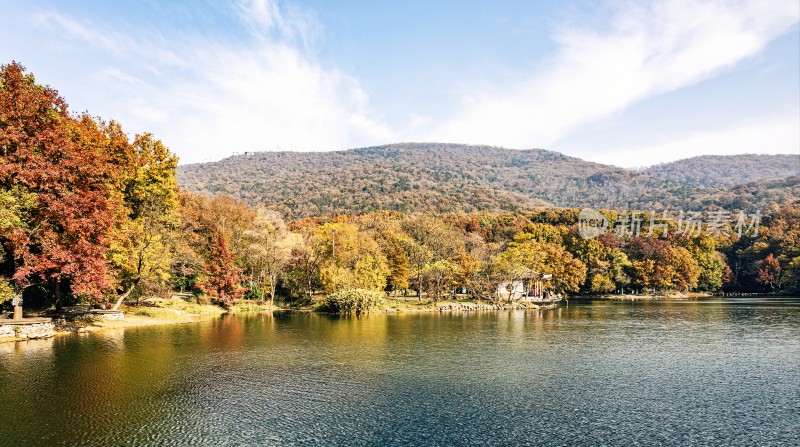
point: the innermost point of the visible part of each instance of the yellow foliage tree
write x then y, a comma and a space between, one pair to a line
145, 233
350, 259
568, 272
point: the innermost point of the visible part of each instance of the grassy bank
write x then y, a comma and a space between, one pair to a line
156, 312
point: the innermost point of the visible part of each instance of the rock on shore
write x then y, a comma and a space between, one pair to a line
26, 331
491, 306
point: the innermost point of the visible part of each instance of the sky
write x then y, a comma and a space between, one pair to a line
624, 83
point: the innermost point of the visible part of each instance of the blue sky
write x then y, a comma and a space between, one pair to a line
625, 83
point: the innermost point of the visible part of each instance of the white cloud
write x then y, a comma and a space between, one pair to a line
111, 40
75, 29
114, 73
221, 96
265, 96
771, 135
648, 50
209, 93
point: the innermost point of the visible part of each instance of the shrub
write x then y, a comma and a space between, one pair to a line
354, 301
6, 292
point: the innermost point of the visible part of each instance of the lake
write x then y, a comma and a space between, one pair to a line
710, 372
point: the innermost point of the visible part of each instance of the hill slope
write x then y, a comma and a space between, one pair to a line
727, 170
438, 177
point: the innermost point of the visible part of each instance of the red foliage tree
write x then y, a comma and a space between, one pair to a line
44, 150
224, 279
769, 272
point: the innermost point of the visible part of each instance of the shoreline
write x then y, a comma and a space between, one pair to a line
174, 317
135, 321
645, 297
130, 321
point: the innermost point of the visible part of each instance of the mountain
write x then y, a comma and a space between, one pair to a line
727, 170
419, 177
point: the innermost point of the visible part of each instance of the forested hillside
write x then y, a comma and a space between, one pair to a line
460, 178
91, 215
728, 170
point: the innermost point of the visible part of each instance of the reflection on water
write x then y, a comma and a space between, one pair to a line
648, 373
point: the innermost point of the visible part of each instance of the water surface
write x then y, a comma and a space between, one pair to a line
647, 373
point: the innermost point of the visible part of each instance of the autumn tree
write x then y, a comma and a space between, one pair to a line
47, 153
686, 270
568, 272
304, 264
710, 262
432, 242
439, 276
215, 228
350, 259
398, 263
476, 268
224, 278
607, 265
650, 260
269, 252
419, 255
146, 228
600, 283
770, 271
385, 228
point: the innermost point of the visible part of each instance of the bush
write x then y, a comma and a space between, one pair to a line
354, 301
6, 292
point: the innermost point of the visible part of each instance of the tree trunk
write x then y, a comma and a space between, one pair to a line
419, 285
57, 292
272, 292
124, 295
17, 307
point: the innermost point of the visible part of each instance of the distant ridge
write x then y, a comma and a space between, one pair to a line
420, 177
727, 170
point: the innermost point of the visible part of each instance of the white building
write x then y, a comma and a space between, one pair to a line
531, 286
511, 290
